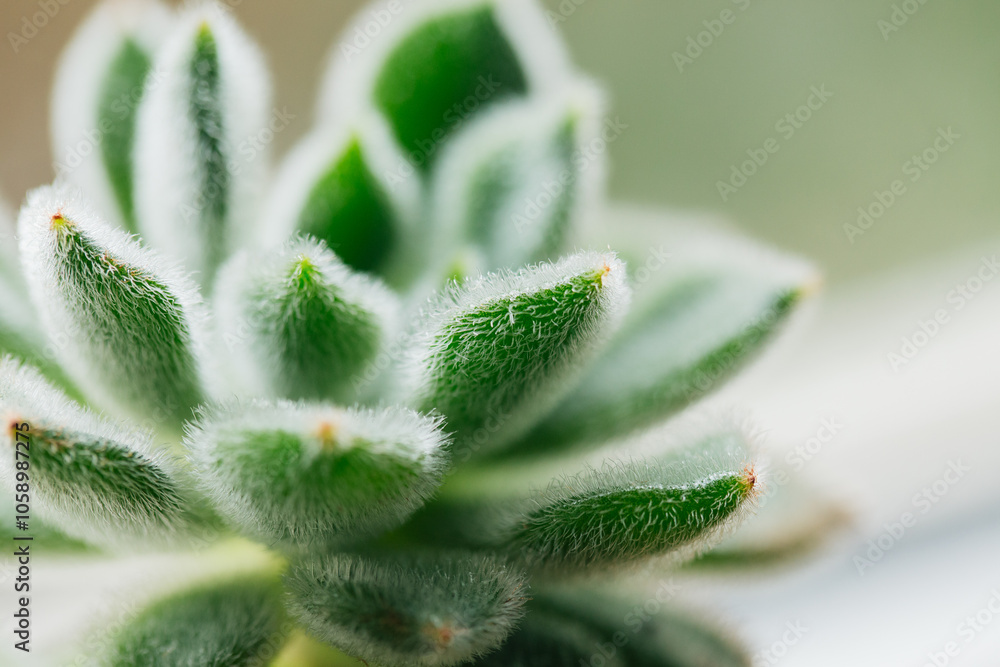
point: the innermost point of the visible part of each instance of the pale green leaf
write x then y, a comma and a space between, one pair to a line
219, 624
100, 81
513, 184
406, 611
93, 479
308, 473
200, 168
702, 311
296, 323
125, 325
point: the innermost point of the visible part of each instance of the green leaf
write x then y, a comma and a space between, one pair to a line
91, 478
647, 632
199, 168
673, 506
221, 624
20, 334
125, 325
694, 323
444, 61
407, 611
297, 323
549, 640
628, 512
100, 82
337, 186
125, 76
316, 473
494, 354
513, 183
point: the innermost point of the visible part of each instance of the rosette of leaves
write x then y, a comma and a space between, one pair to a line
395, 359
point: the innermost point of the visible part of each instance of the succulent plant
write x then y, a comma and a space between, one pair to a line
409, 361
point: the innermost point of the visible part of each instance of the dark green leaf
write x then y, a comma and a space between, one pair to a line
407, 611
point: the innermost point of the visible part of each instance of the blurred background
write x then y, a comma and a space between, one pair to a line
856, 96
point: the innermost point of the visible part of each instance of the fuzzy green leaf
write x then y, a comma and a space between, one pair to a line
125, 76
238, 622
451, 57
101, 79
550, 640
314, 473
198, 180
348, 209
89, 477
687, 333
673, 505
297, 323
512, 184
407, 611
124, 324
638, 635
20, 334
337, 186
493, 354
627, 512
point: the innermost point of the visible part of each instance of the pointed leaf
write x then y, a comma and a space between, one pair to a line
89, 477
434, 66
297, 323
513, 183
700, 314
673, 505
337, 186
412, 611
197, 180
315, 473
630, 511
124, 325
493, 354
99, 83
238, 622
20, 333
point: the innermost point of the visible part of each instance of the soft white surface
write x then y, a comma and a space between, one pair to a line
899, 432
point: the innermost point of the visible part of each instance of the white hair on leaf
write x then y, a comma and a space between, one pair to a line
103, 343
190, 214
76, 127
